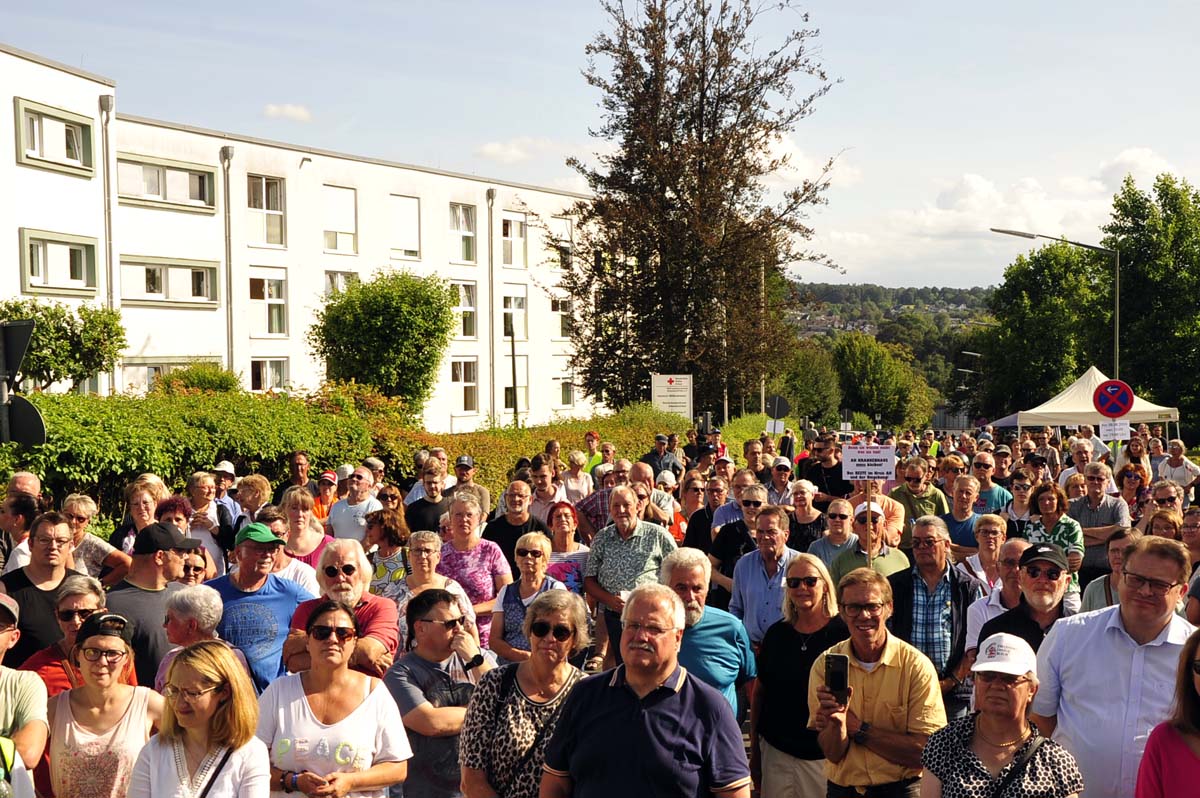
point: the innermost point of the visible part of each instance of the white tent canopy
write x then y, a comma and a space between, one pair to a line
1074, 406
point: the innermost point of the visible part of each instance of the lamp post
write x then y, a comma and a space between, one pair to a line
1116, 375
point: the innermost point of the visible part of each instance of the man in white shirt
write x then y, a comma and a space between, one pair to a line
998, 601
1108, 677
347, 518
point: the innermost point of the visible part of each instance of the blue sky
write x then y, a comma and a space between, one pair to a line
950, 117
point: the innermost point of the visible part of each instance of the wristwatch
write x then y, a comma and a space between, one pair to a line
860, 736
474, 662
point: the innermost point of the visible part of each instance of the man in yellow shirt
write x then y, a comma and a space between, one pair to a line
873, 742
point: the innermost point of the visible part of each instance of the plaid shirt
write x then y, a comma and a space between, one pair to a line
932, 618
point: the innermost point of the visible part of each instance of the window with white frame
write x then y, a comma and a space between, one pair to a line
561, 309
514, 311
464, 376
166, 183
155, 284
204, 283
265, 209
341, 222
337, 282
561, 231
268, 291
57, 262
177, 281
268, 374
520, 393
466, 308
405, 215
563, 382
513, 249
53, 138
462, 233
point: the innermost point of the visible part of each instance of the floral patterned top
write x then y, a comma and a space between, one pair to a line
476, 570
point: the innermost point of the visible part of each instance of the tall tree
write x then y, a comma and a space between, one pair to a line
875, 378
681, 251
811, 383
70, 344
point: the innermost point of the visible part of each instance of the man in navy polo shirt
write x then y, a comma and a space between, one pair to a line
649, 727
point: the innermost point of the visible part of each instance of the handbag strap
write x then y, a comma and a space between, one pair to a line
216, 772
1016, 770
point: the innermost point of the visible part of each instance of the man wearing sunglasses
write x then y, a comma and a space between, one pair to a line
824, 469
1043, 576
1107, 677
992, 497
872, 540
1002, 598
917, 496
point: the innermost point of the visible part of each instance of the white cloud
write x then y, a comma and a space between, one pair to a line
801, 165
296, 113
515, 150
1141, 162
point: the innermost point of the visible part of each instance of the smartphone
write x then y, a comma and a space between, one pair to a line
837, 676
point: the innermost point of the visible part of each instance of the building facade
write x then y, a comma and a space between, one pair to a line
221, 247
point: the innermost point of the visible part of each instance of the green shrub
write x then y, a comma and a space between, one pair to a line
202, 375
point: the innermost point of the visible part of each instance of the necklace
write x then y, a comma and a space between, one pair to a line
1020, 739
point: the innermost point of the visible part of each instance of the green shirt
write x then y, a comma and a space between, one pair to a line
886, 563
22, 700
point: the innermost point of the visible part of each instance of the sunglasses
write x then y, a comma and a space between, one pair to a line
839, 516
450, 625
862, 519
914, 480
323, 631
562, 632
388, 497
348, 569
1019, 486
1164, 502
925, 543
535, 554
808, 581
66, 616
79, 519
751, 503
173, 693
193, 569
1052, 573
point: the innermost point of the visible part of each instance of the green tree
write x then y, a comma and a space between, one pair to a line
70, 344
389, 332
811, 382
875, 379
679, 244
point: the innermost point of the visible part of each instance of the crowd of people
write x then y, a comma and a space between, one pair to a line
1003, 617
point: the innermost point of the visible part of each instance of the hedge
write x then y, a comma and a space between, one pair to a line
97, 445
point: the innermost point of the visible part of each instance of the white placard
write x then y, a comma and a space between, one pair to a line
868, 461
845, 426
1115, 430
672, 393
775, 426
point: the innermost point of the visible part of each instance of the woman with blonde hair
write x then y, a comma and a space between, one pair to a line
306, 536
141, 498
576, 482
92, 555
253, 493
507, 638
206, 743
785, 758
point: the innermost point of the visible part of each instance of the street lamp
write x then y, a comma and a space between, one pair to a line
1116, 375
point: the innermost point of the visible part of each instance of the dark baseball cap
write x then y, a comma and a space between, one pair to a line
465, 460
660, 438
106, 624
1044, 551
707, 448
162, 537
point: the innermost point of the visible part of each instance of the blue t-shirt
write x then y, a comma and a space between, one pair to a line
717, 651
962, 533
992, 500
258, 622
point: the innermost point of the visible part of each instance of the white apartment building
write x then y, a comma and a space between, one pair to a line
220, 247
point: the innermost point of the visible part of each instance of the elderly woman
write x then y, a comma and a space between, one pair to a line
424, 554
344, 573
306, 536
192, 616
386, 537
1170, 766
206, 743
253, 493
967, 757
359, 742
141, 497
476, 564
514, 709
576, 482
1053, 525
990, 533
92, 555
210, 522
507, 637
98, 729
734, 540
1101, 592
806, 524
785, 759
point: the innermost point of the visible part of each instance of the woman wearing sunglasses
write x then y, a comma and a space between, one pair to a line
356, 742
785, 759
734, 540
93, 555
805, 523
1133, 483
508, 638
996, 751
98, 729
1170, 764
514, 709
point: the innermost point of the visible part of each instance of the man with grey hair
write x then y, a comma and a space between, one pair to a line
930, 602
25, 482
1100, 514
1081, 455
347, 517
622, 713
377, 471
715, 645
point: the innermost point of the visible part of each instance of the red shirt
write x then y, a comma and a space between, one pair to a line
377, 617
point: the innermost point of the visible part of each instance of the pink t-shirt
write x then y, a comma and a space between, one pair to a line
313, 556
1169, 768
376, 618
476, 570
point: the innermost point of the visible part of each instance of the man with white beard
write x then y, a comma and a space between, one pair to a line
344, 572
715, 646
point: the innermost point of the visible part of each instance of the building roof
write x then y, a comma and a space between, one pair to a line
37, 59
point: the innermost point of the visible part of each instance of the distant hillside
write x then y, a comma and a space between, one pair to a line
825, 307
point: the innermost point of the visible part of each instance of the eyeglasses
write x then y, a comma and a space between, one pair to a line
1021, 486
751, 503
808, 581
1157, 586
424, 552
925, 543
52, 542
348, 569
323, 631
839, 516
109, 655
173, 693
1003, 679
1035, 571
66, 616
533, 554
650, 629
1165, 502
448, 625
989, 533
871, 608
562, 632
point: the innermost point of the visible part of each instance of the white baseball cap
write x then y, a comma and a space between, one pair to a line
864, 507
226, 467
1005, 653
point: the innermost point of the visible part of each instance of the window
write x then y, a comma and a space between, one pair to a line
341, 224
154, 280
564, 386
268, 374
561, 241
512, 237
406, 226
462, 233
51, 138
466, 309
514, 312
521, 391
268, 289
157, 281
265, 204
57, 263
464, 375
337, 282
204, 282
155, 182
562, 309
